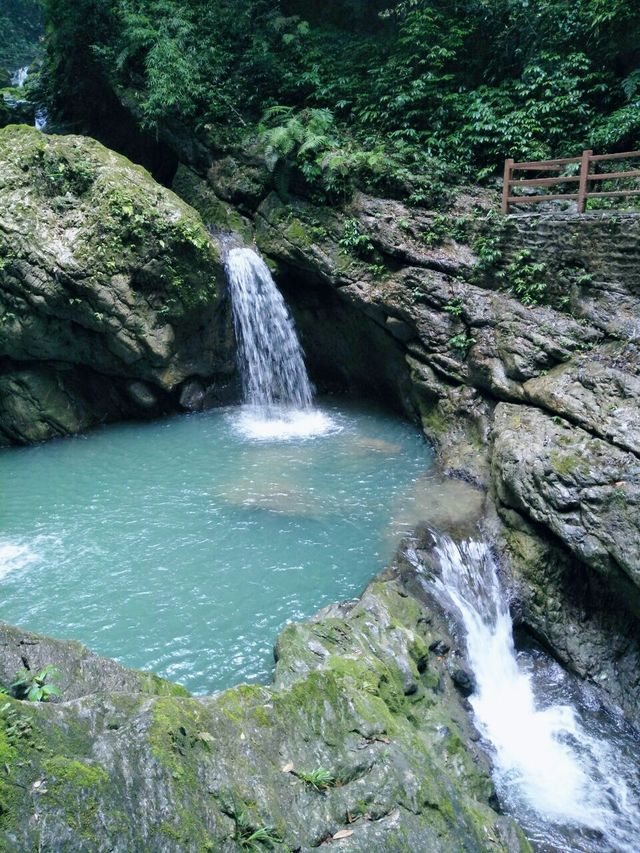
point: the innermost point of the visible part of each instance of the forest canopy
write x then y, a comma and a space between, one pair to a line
465, 81
20, 31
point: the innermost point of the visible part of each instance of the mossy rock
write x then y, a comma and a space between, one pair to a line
105, 271
122, 771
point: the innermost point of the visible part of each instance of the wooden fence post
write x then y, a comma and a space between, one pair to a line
506, 184
584, 180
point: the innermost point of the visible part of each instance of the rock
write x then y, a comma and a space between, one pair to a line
80, 671
216, 212
241, 181
588, 620
586, 491
124, 764
192, 395
599, 391
105, 271
143, 396
43, 401
591, 263
464, 680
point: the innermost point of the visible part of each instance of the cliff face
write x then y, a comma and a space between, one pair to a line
514, 343
111, 293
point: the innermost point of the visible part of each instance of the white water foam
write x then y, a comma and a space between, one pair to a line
545, 760
19, 77
14, 556
284, 424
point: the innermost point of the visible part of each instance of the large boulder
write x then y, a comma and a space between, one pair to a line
111, 291
363, 690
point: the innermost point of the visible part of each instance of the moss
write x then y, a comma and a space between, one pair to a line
74, 774
76, 790
403, 609
298, 233
175, 742
567, 464
419, 652
240, 701
434, 423
173, 731
12, 797
152, 683
358, 672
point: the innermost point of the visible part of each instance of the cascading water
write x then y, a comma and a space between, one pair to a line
275, 383
271, 359
18, 80
566, 769
19, 77
41, 119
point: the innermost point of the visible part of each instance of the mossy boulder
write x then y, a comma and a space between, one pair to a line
107, 273
357, 692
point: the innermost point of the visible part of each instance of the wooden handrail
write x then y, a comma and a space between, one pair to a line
543, 182
622, 156
612, 176
544, 164
583, 179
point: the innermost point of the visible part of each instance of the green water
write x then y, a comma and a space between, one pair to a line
184, 545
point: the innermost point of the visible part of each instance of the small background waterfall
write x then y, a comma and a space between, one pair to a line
18, 80
566, 768
275, 383
19, 77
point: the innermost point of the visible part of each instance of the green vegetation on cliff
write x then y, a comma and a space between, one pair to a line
20, 31
378, 86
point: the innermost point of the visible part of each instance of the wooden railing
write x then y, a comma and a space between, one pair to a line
582, 179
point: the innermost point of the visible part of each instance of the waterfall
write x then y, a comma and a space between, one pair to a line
562, 766
277, 391
271, 359
19, 77
41, 119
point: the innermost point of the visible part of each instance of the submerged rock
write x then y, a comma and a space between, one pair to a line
116, 766
111, 292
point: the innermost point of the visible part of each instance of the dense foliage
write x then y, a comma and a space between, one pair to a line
362, 84
20, 31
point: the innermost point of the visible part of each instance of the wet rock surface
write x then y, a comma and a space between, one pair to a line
583, 489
